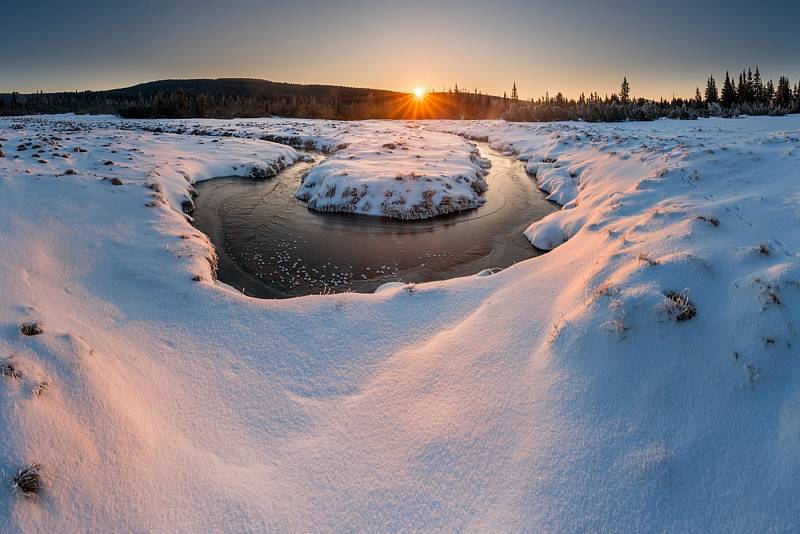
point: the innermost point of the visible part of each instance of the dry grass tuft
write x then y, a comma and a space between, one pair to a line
679, 306
646, 258
8, 369
28, 480
31, 329
713, 221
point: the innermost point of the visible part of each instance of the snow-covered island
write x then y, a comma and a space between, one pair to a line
642, 375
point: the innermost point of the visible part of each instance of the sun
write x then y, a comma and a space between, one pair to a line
419, 92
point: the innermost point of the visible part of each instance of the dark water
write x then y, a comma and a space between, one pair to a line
271, 246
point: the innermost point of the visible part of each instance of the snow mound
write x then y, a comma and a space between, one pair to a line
398, 171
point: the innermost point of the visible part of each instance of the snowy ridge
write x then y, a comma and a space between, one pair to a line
640, 376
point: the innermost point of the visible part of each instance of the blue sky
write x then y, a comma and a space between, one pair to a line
568, 45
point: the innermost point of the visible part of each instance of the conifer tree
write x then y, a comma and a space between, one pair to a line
712, 95
758, 87
728, 96
698, 98
783, 94
514, 93
625, 91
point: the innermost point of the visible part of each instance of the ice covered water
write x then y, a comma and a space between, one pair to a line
271, 245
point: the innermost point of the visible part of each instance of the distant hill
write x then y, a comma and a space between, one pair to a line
248, 97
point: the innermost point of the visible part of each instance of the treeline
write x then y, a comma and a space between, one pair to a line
746, 94
228, 98
749, 95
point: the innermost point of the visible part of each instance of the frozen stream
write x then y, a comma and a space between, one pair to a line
272, 246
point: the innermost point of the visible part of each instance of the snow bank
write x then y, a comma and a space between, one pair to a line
563, 392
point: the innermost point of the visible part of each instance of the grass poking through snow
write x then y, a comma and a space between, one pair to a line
679, 306
28, 481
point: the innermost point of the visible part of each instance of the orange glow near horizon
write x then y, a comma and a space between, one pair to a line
421, 105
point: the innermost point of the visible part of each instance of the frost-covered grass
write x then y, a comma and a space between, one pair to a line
571, 392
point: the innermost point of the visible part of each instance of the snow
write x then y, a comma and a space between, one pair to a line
383, 168
398, 170
560, 394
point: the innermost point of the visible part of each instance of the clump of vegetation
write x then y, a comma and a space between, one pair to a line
31, 329
713, 221
646, 258
28, 480
556, 329
8, 369
41, 387
770, 293
763, 249
679, 306
618, 324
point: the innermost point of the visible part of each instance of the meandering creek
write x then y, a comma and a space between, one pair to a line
270, 245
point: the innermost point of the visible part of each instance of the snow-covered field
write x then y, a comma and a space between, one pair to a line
641, 376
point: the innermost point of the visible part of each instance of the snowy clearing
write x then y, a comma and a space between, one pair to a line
640, 376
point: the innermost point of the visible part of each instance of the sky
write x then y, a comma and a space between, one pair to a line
573, 46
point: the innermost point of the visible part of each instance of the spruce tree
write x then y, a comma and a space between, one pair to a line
728, 96
783, 94
712, 95
624, 91
758, 87
514, 93
698, 98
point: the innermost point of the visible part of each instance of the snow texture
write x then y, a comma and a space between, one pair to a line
561, 394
